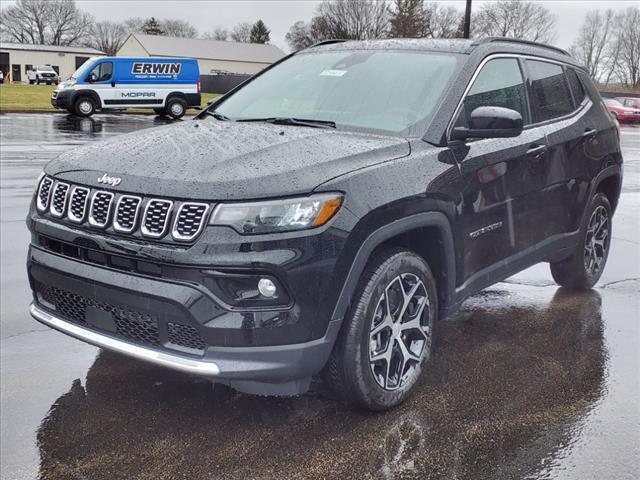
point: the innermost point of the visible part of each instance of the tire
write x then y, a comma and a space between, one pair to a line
582, 270
38, 81
84, 107
160, 111
350, 371
176, 107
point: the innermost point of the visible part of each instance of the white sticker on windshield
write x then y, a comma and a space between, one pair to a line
332, 73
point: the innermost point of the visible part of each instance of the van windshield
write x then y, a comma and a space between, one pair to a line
82, 70
380, 91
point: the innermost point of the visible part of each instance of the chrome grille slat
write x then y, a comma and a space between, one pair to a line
59, 199
189, 221
78, 204
126, 216
156, 218
100, 210
44, 193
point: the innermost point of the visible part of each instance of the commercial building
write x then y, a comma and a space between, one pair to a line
213, 56
17, 58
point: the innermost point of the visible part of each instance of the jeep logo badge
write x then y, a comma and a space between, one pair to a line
107, 180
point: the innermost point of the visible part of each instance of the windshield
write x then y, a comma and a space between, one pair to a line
613, 103
46, 68
387, 91
83, 69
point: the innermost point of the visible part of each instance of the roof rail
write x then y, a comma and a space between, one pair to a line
524, 42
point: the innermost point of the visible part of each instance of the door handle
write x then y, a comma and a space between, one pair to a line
590, 133
537, 151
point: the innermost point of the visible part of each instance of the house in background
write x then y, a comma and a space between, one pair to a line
213, 56
17, 58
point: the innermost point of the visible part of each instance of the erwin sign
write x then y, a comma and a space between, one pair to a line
142, 68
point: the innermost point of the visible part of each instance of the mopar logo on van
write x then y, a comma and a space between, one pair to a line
142, 68
138, 94
107, 180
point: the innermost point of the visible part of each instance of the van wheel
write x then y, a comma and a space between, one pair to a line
85, 107
176, 107
388, 336
160, 111
582, 270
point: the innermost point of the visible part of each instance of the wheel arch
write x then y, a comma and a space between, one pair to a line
610, 184
179, 95
437, 250
87, 93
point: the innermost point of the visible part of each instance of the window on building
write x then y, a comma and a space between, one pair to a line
27, 68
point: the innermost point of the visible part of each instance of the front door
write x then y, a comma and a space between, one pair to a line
100, 78
15, 73
495, 217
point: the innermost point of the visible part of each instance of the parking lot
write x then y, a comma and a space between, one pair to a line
529, 380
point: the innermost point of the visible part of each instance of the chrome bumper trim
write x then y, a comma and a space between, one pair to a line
175, 362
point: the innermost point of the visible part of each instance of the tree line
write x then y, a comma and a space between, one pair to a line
61, 22
608, 44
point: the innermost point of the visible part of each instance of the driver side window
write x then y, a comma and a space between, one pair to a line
499, 84
102, 72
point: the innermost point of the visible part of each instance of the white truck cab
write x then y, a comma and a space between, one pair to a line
167, 85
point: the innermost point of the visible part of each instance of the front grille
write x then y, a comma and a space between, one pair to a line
189, 220
44, 193
184, 335
126, 213
131, 324
100, 209
156, 218
59, 199
152, 218
78, 204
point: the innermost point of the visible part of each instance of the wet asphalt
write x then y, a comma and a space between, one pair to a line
529, 380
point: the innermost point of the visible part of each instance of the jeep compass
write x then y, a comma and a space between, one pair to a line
324, 216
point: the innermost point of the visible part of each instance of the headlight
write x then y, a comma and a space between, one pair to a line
278, 215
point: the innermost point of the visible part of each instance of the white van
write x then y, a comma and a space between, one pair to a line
167, 85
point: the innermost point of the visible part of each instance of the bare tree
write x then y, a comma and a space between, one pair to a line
134, 25
241, 33
178, 28
353, 19
218, 33
68, 25
299, 36
628, 43
26, 22
515, 18
442, 22
107, 36
408, 19
594, 41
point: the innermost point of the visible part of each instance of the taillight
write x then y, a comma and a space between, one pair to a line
198, 85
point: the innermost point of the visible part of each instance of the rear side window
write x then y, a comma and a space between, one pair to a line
576, 86
550, 94
499, 84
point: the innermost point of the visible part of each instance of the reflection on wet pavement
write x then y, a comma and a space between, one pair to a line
511, 381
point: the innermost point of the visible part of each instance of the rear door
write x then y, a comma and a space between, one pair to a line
496, 217
561, 174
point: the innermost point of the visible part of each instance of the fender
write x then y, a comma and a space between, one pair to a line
89, 93
386, 232
610, 171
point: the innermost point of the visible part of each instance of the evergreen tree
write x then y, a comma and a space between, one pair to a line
260, 33
152, 27
408, 19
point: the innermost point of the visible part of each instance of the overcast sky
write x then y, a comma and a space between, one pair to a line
280, 15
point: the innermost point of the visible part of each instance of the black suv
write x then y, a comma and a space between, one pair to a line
325, 215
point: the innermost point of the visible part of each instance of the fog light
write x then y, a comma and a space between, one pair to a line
267, 288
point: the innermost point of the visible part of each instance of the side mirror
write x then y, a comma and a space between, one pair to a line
490, 122
92, 77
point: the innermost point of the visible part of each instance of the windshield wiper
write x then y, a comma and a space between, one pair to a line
217, 115
301, 122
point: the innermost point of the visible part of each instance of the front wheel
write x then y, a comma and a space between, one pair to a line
582, 270
85, 107
176, 107
388, 335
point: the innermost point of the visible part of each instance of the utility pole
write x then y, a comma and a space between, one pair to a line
467, 20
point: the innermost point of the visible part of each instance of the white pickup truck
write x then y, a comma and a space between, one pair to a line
43, 74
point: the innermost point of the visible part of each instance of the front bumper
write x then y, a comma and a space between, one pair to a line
62, 98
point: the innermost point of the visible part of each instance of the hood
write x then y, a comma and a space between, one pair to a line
215, 160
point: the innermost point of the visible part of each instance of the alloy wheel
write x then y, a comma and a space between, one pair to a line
85, 107
401, 332
596, 241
